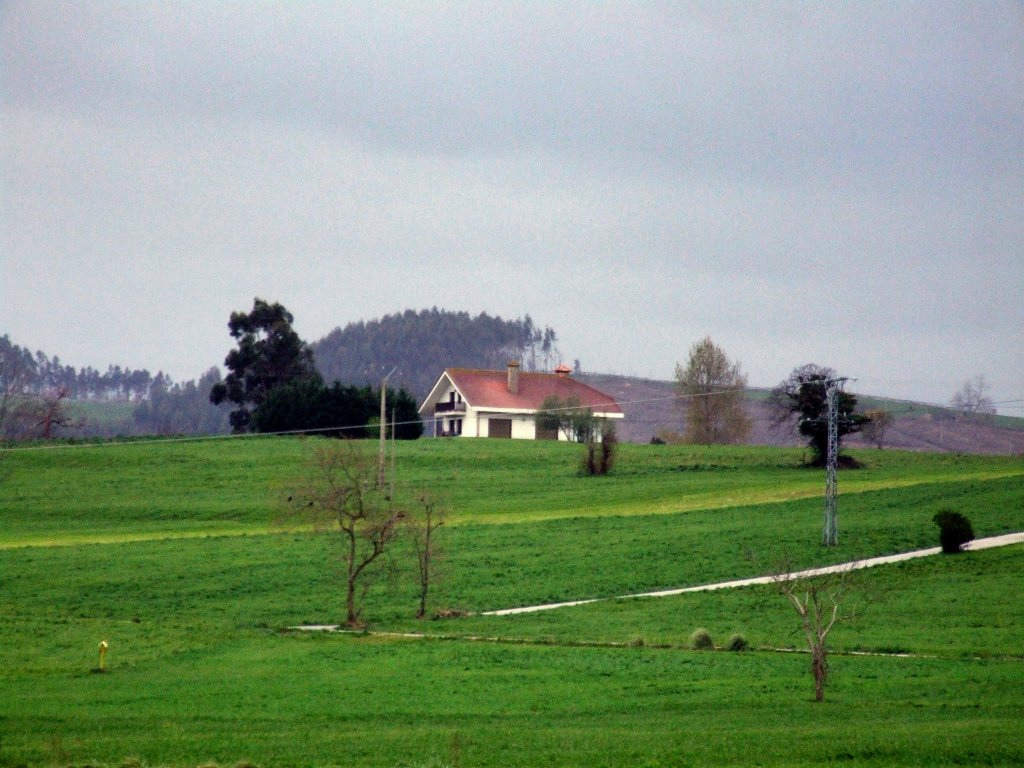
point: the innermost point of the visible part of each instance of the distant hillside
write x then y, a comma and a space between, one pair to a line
650, 405
422, 344
88, 403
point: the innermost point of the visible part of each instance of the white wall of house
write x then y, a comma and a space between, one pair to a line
523, 428
469, 421
475, 423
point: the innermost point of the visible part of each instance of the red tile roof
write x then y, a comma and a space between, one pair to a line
489, 389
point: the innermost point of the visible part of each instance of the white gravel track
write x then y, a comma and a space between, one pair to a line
987, 543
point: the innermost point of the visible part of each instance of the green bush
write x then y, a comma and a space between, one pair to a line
598, 458
737, 643
954, 530
701, 640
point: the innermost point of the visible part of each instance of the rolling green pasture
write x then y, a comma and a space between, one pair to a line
77, 492
170, 552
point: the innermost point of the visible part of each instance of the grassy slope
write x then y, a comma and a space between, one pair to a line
234, 485
376, 702
200, 670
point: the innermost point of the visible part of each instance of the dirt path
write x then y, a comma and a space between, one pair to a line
987, 543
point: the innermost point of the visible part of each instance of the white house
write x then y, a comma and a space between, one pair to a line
473, 403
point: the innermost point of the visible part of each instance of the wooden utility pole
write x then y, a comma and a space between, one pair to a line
383, 427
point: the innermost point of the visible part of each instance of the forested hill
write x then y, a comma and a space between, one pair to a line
422, 344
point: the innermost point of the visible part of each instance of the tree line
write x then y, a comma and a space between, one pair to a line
173, 408
23, 372
39, 394
40, 397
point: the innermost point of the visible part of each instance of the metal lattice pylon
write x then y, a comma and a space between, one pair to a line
830, 536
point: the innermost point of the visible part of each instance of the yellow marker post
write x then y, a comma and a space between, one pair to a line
103, 655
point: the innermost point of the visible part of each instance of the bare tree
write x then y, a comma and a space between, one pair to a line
712, 388
422, 524
340, 489
269, 354
973, 397
43, 416
818, 599
54, 415
879, 422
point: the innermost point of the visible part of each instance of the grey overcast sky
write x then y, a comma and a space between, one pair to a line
837, 183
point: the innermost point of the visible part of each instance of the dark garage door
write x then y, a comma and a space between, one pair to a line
499, 428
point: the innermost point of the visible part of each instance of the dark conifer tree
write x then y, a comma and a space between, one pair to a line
803, 396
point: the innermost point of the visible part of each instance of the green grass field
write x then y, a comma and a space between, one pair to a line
171, 553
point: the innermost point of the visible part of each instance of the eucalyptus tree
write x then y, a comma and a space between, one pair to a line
268, 354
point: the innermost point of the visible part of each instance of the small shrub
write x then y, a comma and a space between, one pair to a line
667, 437
701, 640
598, 458
451, 613
609, 447
737, 643
954, 530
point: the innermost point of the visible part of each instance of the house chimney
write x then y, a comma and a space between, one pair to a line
513, 377
563, 371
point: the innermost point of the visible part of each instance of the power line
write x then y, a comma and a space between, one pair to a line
196, 438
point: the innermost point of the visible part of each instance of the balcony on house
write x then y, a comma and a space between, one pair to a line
450, 407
